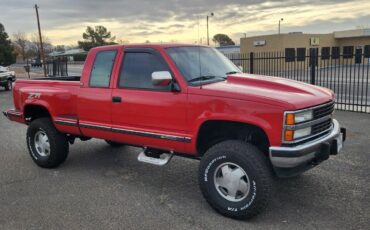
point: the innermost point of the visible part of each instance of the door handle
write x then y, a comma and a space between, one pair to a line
116, 99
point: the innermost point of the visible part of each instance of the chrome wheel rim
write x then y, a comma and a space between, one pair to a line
231, 182
42, 144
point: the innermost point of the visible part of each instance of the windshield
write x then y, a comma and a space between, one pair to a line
201, 64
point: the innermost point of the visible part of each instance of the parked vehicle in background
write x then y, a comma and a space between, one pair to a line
7, 78
36, 62
189, 101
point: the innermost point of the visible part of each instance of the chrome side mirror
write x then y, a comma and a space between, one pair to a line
161, 78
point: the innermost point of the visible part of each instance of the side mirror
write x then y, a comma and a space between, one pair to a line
161, 78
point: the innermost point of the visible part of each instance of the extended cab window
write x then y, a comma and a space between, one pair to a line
137, 69
102, 69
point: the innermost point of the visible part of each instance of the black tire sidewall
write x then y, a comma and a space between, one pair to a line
239, 209
8, 86
59, 146
31, 145
208, 179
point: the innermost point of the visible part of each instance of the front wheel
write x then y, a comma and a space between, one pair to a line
8, 85
235, 179
47, 147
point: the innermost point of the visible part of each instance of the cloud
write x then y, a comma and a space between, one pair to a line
171, 26
65, 20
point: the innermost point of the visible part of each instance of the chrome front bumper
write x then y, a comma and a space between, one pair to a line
290, 161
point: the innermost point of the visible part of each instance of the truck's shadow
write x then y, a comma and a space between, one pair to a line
177, 182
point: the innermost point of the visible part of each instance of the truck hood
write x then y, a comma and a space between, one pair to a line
281, 92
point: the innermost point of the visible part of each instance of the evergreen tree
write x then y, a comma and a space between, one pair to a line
99, 36
6, 49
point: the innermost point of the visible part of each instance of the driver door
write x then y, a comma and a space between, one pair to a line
144, 113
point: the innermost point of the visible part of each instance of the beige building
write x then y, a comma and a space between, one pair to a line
358, 39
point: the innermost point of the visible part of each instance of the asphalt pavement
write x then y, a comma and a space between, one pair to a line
100, 187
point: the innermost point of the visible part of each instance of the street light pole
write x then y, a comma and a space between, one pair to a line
207, 27
41, 45
281, 19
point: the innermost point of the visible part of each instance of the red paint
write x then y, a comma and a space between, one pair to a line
245, 98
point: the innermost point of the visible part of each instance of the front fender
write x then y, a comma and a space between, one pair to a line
267, 117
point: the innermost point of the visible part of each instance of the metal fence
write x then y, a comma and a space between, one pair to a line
57, 67
346, 74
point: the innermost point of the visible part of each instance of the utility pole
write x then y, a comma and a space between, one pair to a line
207, 27
281, 19
41, 44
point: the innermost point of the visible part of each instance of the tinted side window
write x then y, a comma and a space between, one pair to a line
102, 69
137, 69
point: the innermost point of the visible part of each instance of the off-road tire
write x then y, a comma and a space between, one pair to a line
114, 144
255, 165
58, 142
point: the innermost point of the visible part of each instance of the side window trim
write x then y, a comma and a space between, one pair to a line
111, 71
149, 51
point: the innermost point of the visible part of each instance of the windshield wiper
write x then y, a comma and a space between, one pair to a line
204, 78
232, 72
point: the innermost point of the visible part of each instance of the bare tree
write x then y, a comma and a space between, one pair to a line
20, 40
36, 43
123, 42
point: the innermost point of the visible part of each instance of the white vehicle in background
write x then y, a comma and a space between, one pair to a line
7, 78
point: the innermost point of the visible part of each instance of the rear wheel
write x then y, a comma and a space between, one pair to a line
235, 179
114, 144
47, 147
8, 85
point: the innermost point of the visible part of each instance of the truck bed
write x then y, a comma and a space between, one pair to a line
58, 93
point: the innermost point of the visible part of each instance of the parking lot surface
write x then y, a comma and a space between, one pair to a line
100, 187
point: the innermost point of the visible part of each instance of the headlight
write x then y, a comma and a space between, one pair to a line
292, 119
296, 118
291, 135
303, 116
302, 132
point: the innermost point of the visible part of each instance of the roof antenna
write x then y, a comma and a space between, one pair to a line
200, 66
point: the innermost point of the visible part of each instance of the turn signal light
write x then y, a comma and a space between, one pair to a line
288, 135
289, 120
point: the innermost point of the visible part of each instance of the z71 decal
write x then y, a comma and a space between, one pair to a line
34, 95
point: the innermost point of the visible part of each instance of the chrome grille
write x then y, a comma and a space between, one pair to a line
320, 127
323, 110
320, 124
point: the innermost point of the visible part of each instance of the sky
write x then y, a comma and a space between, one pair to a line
64, 21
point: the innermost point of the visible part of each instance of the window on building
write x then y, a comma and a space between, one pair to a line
335, 52
314, 56
348, 52
301, 54
358, 55
367, 51
289, 54
137, 70
325, 53
102, 69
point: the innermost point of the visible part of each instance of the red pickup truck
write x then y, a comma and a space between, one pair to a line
190, 101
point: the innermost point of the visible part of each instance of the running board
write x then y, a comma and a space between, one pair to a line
155, 161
